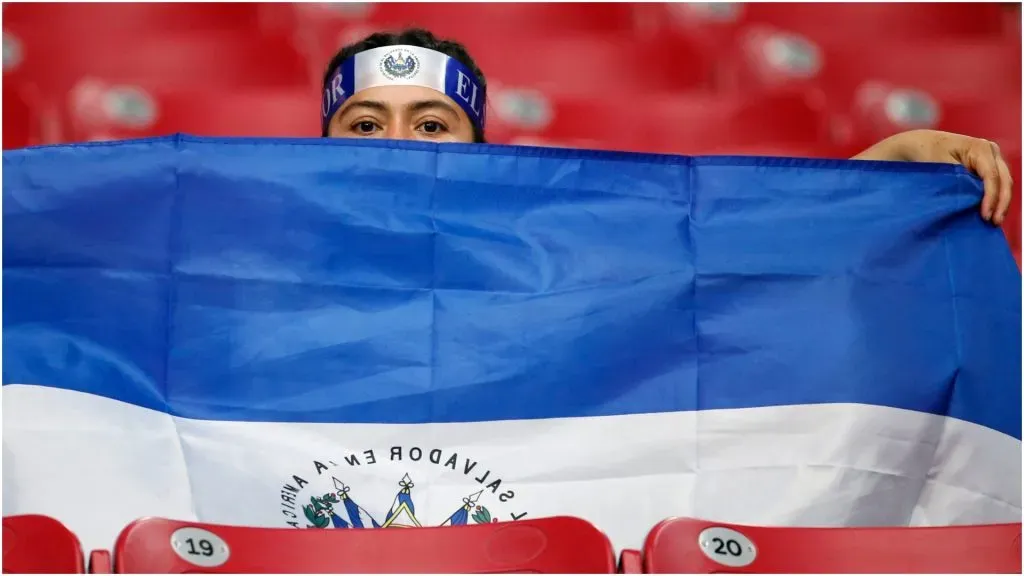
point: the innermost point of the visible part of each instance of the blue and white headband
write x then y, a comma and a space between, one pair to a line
405, 66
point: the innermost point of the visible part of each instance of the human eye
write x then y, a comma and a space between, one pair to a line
365, 127
432, 127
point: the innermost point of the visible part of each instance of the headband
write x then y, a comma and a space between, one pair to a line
405, 66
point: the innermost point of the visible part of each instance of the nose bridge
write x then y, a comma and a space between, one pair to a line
397, 129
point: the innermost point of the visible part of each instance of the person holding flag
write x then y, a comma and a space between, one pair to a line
412, 85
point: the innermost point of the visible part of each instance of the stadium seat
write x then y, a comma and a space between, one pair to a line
1011, 21
631, 562
888, 19
881, 110
602, 64
133, 17
100, 562
22, 119
224, 59
98, 111
544, 545
690, 123
35, 544
501, 19
767, 57
883, 19
684, 545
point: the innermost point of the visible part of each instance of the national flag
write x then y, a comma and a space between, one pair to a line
231, 330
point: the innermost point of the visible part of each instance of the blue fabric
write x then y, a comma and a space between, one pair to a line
359, 281
337, 521
358, 516
459, 518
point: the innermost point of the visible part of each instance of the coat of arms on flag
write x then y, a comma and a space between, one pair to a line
345, 494
338, 509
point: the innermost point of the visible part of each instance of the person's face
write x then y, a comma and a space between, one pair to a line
401, 113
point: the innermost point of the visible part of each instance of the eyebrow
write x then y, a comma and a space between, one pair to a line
371, 104
422, 105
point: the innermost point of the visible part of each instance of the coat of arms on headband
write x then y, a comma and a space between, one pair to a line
399, 64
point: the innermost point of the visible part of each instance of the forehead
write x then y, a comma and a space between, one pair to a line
397, 98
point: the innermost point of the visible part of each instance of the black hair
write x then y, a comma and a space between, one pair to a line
410, 37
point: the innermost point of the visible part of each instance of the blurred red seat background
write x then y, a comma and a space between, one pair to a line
100, 111
812, 79
684, 123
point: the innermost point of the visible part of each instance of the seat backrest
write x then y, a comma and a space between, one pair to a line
888, 19
99, 111
631, 562
35, 544
544, 545
139, 16
881, 110
767, 57
100, 562
718, 24
591, 64
683, 545
450, 19
223, 59
688, 123
20, 119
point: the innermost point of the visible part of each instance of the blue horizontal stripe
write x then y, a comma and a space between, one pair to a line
354, 281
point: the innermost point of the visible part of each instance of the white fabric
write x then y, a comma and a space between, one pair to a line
97, 464
430, 72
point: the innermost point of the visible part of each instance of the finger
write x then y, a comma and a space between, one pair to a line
984, 165
1005, 185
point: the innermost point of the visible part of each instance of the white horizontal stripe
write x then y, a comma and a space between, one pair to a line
97, 464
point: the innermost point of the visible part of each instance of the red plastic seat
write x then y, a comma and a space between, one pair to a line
693, 123
1011, 21
22, 120
224, 59
684, 545
594, 64
35, 544
881, 110
887, 19
631, 562
869, 20
766, 57
132, 17
98, 111
543, 545
100, 562
445, 18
